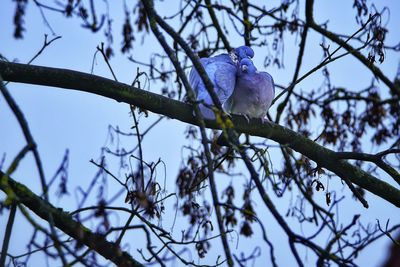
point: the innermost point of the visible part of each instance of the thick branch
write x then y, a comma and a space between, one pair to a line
246, 22
68, 225
200, 120
377, 159
324, 157
152, 18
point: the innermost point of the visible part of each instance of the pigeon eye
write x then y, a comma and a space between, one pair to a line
244, 67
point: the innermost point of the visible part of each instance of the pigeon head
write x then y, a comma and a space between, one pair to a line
244, 52
240, 53
247, 66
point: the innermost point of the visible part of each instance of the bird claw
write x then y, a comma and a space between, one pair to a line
246, 117
264, 119
228, 115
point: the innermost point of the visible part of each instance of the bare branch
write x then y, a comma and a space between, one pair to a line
324, 157
68, 225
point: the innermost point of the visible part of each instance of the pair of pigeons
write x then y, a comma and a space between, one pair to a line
240, 88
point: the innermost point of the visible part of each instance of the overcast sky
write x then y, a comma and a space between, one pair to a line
77, 121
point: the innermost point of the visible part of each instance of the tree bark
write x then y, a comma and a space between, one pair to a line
65, 222
74, 80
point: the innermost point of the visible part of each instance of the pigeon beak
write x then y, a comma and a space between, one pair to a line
244, 67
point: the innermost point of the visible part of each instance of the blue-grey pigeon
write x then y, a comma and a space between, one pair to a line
253, 94
222, 71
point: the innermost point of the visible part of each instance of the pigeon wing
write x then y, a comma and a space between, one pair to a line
269, 81
195, 79
225, 80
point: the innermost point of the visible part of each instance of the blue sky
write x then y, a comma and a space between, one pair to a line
65, 119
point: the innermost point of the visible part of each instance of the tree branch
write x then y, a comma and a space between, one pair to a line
394, 88
324, 157
375, 158
217, 26
152, 15
295, 75
64, 221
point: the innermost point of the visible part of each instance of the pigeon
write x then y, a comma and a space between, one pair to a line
253, 94
222, 71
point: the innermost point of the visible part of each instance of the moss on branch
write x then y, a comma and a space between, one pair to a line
74, 80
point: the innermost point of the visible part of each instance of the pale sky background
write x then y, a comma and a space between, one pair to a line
65, 119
